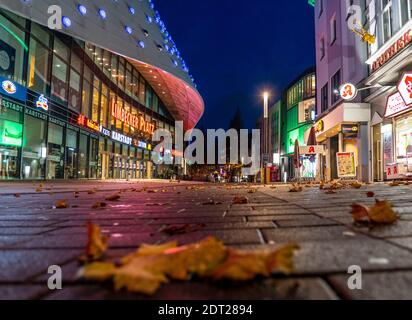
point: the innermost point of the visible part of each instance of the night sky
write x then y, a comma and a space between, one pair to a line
237, 48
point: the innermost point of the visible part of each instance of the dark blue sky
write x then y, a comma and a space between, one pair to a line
236, 48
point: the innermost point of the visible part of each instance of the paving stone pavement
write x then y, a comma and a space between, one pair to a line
35, 235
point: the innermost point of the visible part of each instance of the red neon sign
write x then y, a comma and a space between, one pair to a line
136, 121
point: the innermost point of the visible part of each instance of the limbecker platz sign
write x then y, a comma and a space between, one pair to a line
136, 121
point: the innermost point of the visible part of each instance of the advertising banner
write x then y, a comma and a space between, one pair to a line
346, 164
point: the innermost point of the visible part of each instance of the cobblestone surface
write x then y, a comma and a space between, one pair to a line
35, 235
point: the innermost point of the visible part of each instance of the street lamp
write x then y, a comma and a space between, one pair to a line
265, 132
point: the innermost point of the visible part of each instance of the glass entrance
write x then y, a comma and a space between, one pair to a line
71, 155
9, 168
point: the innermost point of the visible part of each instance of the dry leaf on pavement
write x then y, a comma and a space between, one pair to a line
96, 243
240, 200
61, 204
98, 205
296, 188
181, 229
380, 213
356, 185
145, 270
113, 197
370, 194
17, 195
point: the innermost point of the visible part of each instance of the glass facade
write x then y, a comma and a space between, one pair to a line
65, 128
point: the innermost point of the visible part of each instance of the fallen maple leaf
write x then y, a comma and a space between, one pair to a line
330, 192
380, 213
113, 197
253, 190
240, 200
370, 194
61, 204
296, 188
149, 267
96, 243
395, 184
98, 205
356, 185
17, 195
181, 229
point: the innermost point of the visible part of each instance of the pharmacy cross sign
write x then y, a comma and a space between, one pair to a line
405, 87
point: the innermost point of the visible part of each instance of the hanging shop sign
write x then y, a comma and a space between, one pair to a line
121, 138
42, 103
320, 126
11, 133
405, 87
318, 149
88, 123
395, 105
348, 91
12, 89
394, 48
136, 121
346, 164
104, 131
392, 171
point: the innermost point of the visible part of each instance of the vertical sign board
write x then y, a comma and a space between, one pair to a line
346, 164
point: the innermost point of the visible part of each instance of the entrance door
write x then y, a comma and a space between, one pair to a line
334, 149
105, 166
71, 163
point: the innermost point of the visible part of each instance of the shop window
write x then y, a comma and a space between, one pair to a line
307, 110
34, 148
38, 76
12, 50
86, 98
120, 76
114, 66
75, 96
93, 158
83, 156
41, 34
71, 154
11, 134
405, 11
155, 103
149, 94
106, 63
104, 110
59, 80
95, 104
55, 152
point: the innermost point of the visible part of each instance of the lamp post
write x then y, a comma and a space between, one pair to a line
265, 133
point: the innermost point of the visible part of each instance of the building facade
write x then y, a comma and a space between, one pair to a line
83, 102
390, 75
299, 114
342, 126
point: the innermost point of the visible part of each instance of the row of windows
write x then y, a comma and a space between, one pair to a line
302, 90
85, 83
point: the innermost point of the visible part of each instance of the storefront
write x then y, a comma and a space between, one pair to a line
391, 125
344, 133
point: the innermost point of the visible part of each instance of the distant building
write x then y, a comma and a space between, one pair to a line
341, 126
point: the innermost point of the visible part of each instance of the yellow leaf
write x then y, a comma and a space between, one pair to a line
96, 244
98, 271
240, 200
113, 197
383, 213
296, 188
61, 204
356, 185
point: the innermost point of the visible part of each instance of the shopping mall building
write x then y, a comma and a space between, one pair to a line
82, 102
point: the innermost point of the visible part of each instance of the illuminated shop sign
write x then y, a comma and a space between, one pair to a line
405, 87
348, 91
12, 89
104, 131
394, 48
121, 138
88, 123
42, 103
11, 133
136, 121
395, 105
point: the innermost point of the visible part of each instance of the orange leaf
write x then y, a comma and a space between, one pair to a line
96, 243
240, 200
61, 204
380, 213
